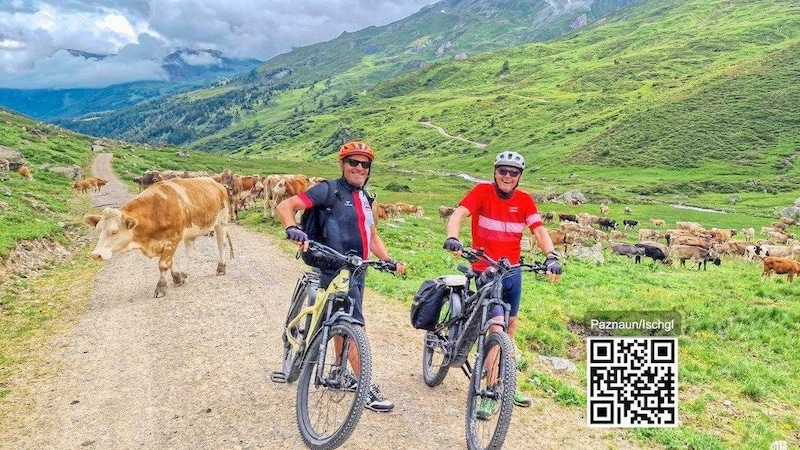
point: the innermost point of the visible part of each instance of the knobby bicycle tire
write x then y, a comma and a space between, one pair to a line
491, 432
438, 346
327, 412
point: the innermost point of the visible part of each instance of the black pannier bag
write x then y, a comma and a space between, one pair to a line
427, 304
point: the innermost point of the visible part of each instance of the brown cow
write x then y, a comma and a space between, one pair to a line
25, 172
233, 184
445, 212
82, 186
698, 255
147, 179
97, 183
780, 266
159, 218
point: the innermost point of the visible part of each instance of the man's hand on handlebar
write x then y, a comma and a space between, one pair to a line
552, 267
454, 245
298, 236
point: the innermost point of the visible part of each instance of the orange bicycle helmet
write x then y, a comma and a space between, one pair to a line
356, 148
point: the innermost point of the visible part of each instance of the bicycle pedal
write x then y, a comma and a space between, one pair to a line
278, 377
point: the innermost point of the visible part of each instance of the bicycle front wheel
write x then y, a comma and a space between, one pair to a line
490, 397
330, 395
434, 358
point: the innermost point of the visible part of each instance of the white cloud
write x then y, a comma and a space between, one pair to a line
33, 34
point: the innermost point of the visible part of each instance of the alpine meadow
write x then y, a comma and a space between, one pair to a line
683, 111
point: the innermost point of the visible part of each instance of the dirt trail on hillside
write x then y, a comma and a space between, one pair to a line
191, 370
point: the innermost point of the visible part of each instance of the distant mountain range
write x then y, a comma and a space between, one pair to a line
187, 69
354, 62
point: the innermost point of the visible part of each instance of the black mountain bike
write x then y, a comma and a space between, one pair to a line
318, 339
465, 319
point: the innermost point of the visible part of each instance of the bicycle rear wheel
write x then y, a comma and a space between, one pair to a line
438, 345
490, 397
328, 405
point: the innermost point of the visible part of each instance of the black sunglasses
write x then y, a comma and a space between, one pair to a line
512, 172
354, 163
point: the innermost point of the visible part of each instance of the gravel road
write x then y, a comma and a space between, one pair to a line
191, 370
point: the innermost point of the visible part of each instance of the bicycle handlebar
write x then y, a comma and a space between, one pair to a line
503, 265
352, 261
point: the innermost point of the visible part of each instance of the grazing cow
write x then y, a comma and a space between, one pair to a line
548, 217
147, 179
780, 266
628, 250
82, 186
574, 202
691, 240
567, 218
646, 234
628, 210
748, 233
655, 251
731, 247
608, 224
445, 212
560, 238
780, 238
657, 222
752, 252
780, 251
159, 218
25, 172
628, 223
698, 255
604, 209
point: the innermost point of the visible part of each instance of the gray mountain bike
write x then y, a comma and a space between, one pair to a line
464, 322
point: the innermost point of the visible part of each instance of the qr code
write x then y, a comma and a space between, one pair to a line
632, 382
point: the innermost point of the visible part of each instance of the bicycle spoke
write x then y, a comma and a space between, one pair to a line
329, 405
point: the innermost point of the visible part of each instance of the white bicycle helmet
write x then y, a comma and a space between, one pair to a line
511, 159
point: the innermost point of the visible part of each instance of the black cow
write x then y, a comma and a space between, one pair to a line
568, 218
607, 224
630, 223
656, 252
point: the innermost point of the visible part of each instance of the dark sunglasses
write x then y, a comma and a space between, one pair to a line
354, 163
511, 172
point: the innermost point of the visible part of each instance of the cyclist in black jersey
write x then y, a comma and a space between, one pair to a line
348, 227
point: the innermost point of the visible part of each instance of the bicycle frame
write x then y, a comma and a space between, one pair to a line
314, 313
479, 305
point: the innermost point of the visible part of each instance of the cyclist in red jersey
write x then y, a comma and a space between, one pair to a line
500, 213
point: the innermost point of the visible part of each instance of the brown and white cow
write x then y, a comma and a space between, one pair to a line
280, 187
161, 217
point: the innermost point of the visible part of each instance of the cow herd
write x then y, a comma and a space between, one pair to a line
688, 241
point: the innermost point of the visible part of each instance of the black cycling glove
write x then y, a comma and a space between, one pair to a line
453, 244
552, 265
295, 234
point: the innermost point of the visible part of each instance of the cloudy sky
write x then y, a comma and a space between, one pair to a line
34, 34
